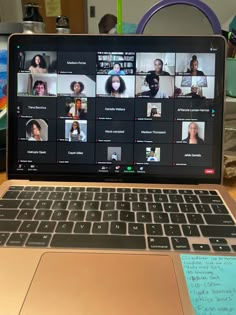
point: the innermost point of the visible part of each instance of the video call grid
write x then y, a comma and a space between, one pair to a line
185, 81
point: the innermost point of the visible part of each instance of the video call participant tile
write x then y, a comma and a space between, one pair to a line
154, 109
114, 109
37, 85
160, 63
154, 86
37, 152
161, 132
193, 87
193, 132
81, 108
116, 63
76, 62
192, 155
37, 107
154, 154
118, 153
77, 153
197, 64
75, 130
76, 85
120, 86
194, 109
114, 131
37, 62
37, 130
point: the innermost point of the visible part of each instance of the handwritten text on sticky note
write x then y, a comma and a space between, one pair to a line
211, 282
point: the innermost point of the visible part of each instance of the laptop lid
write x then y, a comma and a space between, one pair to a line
116, 108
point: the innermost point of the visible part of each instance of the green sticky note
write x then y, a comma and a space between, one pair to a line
211, 282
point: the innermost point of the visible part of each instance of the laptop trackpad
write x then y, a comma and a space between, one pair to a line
103, 284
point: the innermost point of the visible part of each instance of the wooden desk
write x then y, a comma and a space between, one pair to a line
3, 177
230, 185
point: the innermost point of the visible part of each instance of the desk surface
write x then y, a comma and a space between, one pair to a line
230, 185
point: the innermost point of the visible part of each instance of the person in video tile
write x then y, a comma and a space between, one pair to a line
34, 130
70, 103
152, 154
195, 92
21, 60
74, 135
154, 113
193, 70
153, 83
39, 88
193, 137
116, 70
76, 110
158, 66
114, 156
77, 88
177, 92
115, 86
38, 65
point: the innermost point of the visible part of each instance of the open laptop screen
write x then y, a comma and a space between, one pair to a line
122, 108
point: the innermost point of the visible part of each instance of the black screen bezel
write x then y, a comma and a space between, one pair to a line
125, 43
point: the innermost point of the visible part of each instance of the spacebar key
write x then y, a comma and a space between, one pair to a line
98, 241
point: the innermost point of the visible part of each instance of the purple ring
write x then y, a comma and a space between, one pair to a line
205, 9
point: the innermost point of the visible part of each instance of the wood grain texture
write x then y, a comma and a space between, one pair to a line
3, 177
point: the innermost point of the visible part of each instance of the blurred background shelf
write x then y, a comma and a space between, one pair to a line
230, 99
230, 108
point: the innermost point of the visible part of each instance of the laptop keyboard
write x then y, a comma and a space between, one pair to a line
116, 218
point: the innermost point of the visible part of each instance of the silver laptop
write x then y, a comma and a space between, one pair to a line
114, 167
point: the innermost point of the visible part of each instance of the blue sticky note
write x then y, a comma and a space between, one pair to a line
211, 282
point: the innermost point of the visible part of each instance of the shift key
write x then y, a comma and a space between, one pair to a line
9, 226
218, 230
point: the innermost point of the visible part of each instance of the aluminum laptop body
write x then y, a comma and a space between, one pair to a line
115, 169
